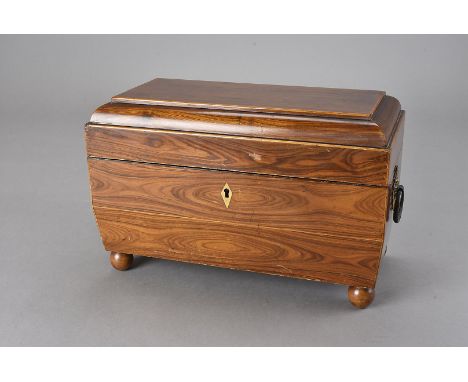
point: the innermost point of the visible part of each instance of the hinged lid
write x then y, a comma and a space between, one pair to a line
278, 99
295, 113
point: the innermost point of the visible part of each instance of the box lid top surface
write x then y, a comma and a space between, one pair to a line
364, 118
277, 99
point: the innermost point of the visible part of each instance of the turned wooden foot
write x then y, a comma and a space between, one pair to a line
360, 297
121, 261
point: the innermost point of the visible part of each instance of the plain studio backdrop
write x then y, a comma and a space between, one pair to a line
56, 285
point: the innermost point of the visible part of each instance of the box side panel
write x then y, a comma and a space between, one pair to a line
287, 253
349, 164
396, 151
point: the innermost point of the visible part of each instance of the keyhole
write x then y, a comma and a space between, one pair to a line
226, 192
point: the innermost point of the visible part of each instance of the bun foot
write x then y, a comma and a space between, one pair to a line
360, 297
121, 261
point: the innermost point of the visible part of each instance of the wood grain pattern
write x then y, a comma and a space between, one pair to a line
257, 201
292, 128
309, 172
287, 253
253, 155
279, 99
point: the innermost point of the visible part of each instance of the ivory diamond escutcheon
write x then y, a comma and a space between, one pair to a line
226, 194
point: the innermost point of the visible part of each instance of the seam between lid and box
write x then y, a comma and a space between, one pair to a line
239, 172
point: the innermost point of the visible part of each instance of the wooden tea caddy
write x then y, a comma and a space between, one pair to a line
285, 180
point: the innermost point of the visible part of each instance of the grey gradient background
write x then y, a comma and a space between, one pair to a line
56, 286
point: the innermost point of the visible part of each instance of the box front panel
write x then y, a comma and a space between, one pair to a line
254, 200
280, 252
293, 227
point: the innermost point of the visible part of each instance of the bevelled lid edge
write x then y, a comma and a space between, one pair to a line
335, 131
386, 116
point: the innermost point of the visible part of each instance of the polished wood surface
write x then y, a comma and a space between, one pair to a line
300, 100
274, 251
348, 164
354, 132
396, 152
257, 201
361, 297
121, 261
387, 115
308, 172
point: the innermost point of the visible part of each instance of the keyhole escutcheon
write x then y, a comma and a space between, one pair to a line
226, 194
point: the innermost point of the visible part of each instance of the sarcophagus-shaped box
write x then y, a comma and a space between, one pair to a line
285, 180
